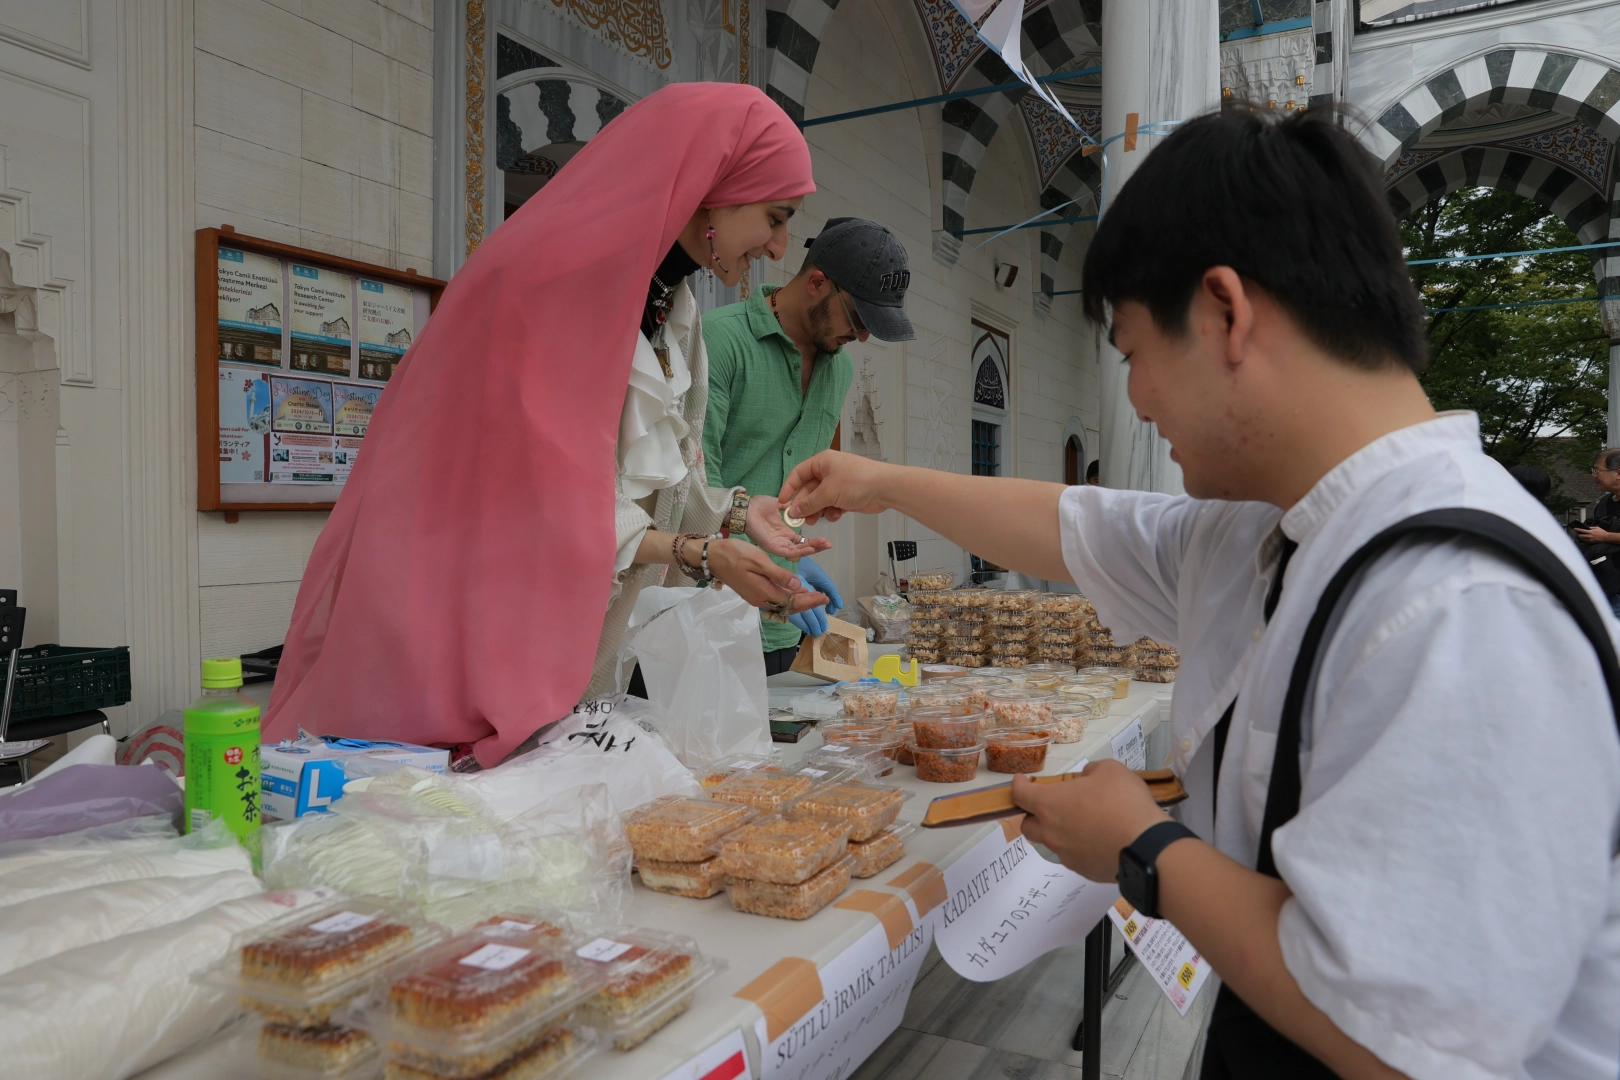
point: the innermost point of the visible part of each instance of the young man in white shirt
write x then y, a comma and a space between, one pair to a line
1445, 903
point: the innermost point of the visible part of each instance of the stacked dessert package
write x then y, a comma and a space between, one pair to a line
649, 977
785, 868
300, 976
870, 809
1009, 627
1152, 661
965, 644
1063, 624
676, 841
929, 593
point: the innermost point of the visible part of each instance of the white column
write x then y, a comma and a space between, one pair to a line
1161, 61
160, 541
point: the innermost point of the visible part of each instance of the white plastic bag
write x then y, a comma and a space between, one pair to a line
604, 742
209, 850
704, 666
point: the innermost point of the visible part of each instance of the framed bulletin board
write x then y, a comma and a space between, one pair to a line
294, 349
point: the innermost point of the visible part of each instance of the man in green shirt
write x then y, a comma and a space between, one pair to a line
778, 374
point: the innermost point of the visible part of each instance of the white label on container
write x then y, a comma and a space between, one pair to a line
817, 773
745, 764
604, 949
836, 749
494, 957
343, 920
1130, 746
513, 924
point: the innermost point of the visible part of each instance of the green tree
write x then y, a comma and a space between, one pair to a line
1533, 374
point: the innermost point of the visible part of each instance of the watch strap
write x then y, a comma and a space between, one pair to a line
1156, 838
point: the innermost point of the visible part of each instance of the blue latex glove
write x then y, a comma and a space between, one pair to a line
814, 621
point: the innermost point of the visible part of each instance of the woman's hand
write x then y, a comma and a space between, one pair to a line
756, 579
767, 529
832, 484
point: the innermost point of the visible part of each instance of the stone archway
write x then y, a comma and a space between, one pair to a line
1568, 193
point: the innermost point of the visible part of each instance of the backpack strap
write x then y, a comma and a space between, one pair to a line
1495, 532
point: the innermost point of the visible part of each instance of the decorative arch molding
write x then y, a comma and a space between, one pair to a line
1575, 86
793, 31
1562, 192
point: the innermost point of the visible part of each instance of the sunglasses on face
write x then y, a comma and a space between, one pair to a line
849, 312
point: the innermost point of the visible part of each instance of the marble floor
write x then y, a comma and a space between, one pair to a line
1020, 1028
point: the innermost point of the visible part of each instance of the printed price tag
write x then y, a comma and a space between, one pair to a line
1130, 746
835, 749
603, 949
494, 957
1172, 961
343, 920
746, 764
817, 773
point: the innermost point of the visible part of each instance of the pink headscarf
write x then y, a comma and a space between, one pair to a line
457, 593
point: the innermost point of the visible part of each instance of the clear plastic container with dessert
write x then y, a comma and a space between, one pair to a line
1020, 707
299, 1052
816, 708
492, 1001
869, 699
926, 625
902, 753
1005, 652
942, 672
649, 977
1096, 696
966, 660
1014, 663
1120, 675
946, 728
1061, 620
1017, 750
930, 599
1054, 654
981, 683
1108, 655
1071, 638
1154, 674
867, 809
835, 768
1010, 618
677, 828
885, 741
305, 969
1069, 720
698, 880
881, 851
712, 774
970, 599
933, 580
1013, 600
1011, 633
1046, 675
798, 901
763, 791
948, 694
925, 654
1048, 603
947, 766
784, 851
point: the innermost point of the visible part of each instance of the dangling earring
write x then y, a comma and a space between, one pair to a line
713, 255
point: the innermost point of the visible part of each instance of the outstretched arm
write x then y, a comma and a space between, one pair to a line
1013, 523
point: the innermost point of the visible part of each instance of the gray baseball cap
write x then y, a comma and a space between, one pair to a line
868, 262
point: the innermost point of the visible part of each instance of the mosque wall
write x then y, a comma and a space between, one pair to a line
314, 127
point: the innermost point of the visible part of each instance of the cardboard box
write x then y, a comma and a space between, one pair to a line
306, 775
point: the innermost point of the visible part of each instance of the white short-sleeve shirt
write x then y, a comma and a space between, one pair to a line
1456, 904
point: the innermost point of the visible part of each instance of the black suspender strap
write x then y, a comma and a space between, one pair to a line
1224, 725
1495, 532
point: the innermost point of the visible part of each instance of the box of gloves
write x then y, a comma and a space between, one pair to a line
306, 775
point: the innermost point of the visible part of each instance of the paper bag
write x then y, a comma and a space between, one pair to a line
839, 655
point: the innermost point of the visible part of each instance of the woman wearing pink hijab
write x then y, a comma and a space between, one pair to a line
536, 459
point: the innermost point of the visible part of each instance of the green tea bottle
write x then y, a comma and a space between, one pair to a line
222, 755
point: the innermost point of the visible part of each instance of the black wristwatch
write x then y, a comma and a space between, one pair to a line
1137, 877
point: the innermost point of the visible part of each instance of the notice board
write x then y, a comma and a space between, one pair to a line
294, 350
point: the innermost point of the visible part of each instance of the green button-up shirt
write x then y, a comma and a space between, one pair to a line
759, 424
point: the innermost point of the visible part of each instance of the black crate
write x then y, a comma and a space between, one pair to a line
55, 680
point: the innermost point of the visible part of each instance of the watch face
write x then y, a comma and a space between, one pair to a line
1136, 883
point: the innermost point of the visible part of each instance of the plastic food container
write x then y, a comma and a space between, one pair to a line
676, 828
942, 672
320, 1052
1014, 600
699, 880
1021, 707
922, 626
947, 766
924, 654
931, 599
1097, 696
867, 809
783, 851
932, 580
1069, 719
1058, 602
943, 695
814, 708
1061, 637
712, 774
867, 700
880, 852
494, 998
884, 741
947, 728
967, 660
1046, 676
1061, 620
978, 685
1010, 618
1121, 675
649, 978
303, 971
1108, 655
902, 754
791, 901
1154, 674
1007, 651
1017, 750
765, 791
970, 599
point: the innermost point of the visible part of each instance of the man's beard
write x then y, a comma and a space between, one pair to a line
820, 318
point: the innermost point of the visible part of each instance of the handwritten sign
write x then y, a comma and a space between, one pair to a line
864, 991
1172, 961
1130, 746
725, 1060
1005, 906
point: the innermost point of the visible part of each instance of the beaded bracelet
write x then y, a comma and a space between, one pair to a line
681, 563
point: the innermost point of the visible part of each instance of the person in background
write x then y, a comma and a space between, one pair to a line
1094, 473
1599, 534
1534, 479
778, 375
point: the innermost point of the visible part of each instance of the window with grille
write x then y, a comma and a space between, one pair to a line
986, 448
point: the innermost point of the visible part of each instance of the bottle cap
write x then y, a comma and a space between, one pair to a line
222, 673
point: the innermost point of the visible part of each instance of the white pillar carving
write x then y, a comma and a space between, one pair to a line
160, 578
1161, 61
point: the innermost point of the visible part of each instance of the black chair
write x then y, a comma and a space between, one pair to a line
12, 618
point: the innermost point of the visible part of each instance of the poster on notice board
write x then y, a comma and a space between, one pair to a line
352, 407
387, 316
322, 305
249, 308
301, 406
244, 418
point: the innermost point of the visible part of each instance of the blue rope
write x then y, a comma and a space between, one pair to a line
937, 98
1511, 254
1521, 303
